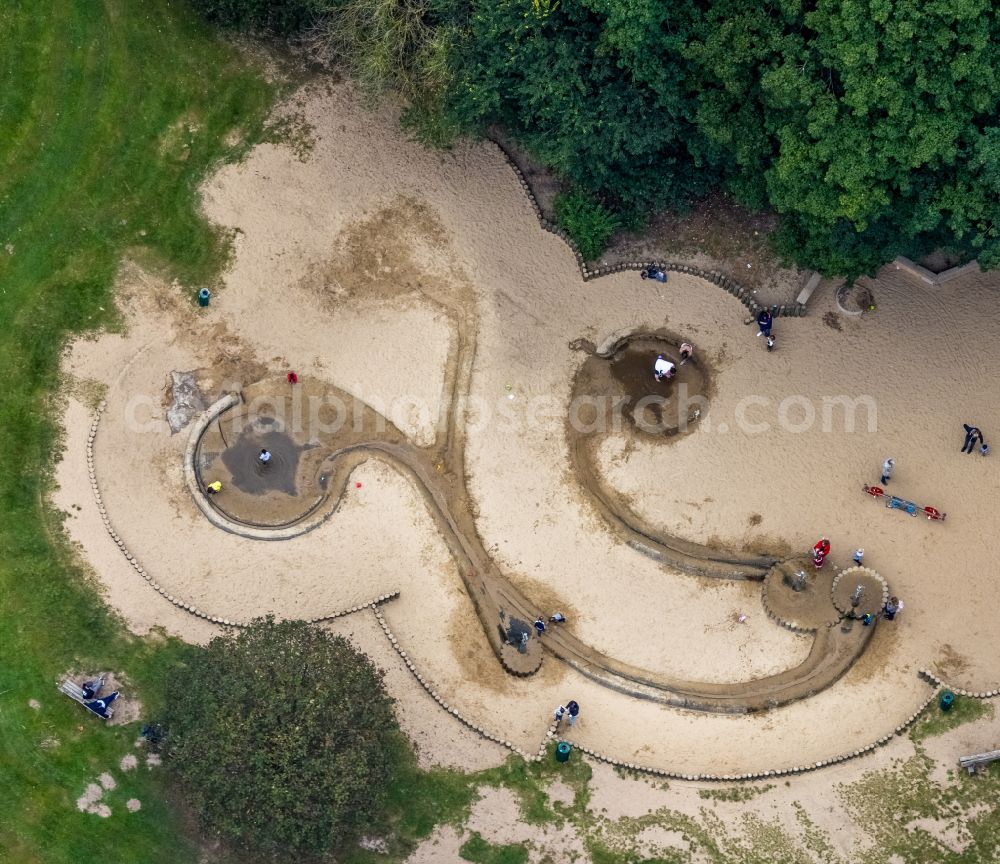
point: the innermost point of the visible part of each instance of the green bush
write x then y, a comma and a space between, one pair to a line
284, 17
284, 738
588, 222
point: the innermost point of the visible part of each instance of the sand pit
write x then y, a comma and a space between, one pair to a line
420, 285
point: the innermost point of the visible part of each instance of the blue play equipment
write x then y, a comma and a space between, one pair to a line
894, 503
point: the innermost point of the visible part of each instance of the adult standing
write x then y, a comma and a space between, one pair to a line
972, 435
820, 551
764, 322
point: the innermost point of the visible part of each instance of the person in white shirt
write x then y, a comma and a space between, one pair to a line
265, 456
663, 369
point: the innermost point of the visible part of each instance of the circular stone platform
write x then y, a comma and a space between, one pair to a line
874, 591
808, 608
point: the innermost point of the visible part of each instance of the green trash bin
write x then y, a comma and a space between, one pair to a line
947, 700
563, 749
204, 296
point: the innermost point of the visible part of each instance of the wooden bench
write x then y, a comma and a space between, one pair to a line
76, 694
971, 763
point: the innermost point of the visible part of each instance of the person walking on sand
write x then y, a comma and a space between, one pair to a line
858, 555
770, 341
984, 450
213, 488
887, 467
558, 715
539, 626
663, 369
265, 456
687, 349
293, 378
972, 434
572, 712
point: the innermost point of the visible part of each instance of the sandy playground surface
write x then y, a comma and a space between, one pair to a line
334, 254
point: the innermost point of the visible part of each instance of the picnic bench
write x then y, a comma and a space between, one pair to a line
75, 692
980, 760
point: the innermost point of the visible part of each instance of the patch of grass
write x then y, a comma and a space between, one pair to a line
529, 780
110, 116
601, 854
420, 800
735, 793
893, 803
934, 721
589, 223
480, 851
293, 131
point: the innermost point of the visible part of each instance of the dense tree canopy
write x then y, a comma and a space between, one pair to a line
283, 737
598, 94
868, 125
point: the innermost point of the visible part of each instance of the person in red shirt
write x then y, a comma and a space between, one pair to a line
820, 551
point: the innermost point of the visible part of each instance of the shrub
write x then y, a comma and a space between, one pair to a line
283, 737
588, 222
284, 17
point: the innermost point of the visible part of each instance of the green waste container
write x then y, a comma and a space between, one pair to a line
204, 296
947, 700
562, 751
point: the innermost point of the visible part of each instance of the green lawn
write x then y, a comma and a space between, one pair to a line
110, 114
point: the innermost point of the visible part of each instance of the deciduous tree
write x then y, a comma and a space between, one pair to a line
283, 737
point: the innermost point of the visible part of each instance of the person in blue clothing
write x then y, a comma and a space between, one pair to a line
100, 706
653, 273
764, 322
892, 606
972, 435
92, 688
